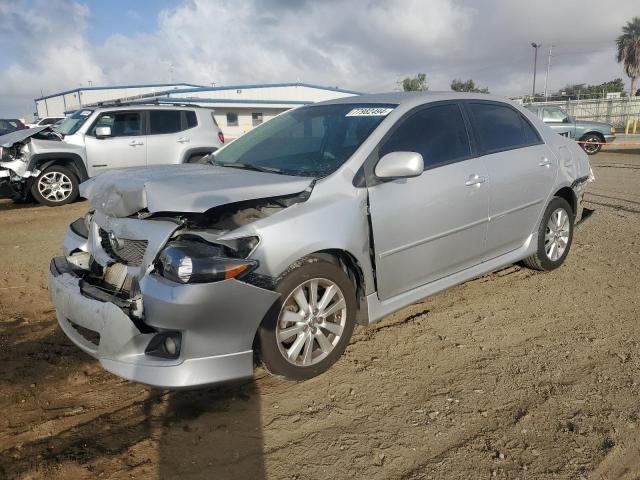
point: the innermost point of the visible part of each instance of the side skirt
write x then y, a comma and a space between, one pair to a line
378, 309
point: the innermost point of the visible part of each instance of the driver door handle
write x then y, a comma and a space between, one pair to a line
475, 180
545, 162
134, 143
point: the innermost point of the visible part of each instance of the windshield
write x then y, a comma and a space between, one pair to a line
311, 141
73, 122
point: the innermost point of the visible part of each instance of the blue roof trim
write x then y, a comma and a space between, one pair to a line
229, 100
142, 85
269, 85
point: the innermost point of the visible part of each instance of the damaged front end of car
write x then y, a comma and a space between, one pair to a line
167, 298
16, 168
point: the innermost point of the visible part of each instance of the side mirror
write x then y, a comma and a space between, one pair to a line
400, 165
103, 132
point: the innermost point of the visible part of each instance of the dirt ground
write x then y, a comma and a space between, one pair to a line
518, 374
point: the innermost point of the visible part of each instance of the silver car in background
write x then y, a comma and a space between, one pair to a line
329, 215
49, 163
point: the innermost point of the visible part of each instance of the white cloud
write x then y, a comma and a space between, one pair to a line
363, 44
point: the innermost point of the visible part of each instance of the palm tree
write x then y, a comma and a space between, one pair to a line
629, 51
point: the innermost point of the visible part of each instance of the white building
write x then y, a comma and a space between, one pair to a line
237, 108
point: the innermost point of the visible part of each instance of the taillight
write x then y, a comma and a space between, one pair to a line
221, 136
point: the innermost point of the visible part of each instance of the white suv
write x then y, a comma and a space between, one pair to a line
50, 162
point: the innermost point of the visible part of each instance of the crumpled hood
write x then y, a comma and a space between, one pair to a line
19, 135
183, 188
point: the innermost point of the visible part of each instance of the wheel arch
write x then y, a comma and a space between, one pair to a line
569, 195
600, 135
350, 264
69, 160
192, 152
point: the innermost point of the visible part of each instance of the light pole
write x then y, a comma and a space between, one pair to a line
535, 46
546, 78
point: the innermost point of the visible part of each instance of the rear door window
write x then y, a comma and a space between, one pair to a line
190, 119
162, 122
500, 127
437, 133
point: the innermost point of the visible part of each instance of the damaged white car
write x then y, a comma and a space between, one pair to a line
49, 163
326, 216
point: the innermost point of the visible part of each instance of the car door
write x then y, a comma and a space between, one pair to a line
433, 225
168, 137
126, 147
558, 120
521, 171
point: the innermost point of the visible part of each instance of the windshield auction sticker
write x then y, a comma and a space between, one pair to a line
369, 112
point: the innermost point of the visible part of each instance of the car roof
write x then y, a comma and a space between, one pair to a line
410, 99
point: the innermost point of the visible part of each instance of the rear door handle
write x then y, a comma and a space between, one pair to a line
184, 140
134, 143
545, 162
475, 180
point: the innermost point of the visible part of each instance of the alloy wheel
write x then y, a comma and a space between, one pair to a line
55, 186
311, 321
556, 237
591, 145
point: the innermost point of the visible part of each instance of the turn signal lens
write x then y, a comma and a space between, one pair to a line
613, 130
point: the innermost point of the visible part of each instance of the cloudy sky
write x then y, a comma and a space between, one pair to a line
368, 45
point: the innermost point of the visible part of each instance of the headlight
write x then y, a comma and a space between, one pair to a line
189, 261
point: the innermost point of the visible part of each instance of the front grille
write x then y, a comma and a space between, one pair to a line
129, 252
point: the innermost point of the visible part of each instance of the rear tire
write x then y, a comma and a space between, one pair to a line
591, 149
303, 334
555, 235
55, 186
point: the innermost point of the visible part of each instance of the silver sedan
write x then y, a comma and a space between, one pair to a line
328, 215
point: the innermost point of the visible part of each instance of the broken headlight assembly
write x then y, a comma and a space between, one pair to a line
191, 261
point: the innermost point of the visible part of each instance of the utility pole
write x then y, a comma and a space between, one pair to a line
546, 78
536, 46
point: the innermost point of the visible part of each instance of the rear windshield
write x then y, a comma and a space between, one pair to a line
73, 122
310, 141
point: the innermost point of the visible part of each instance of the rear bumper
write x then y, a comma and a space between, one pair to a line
217, 332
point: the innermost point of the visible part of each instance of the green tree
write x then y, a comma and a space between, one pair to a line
467, 86
586, 91
629, 51
415, 84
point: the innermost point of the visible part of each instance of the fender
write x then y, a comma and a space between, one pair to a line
196, 151
44, 160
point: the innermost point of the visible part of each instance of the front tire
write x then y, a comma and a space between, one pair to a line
309, 327
55, 186
555, 235
593, 143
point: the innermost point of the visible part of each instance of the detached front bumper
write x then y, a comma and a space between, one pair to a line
217, 323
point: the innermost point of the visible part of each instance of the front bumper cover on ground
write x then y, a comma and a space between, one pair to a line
217, 323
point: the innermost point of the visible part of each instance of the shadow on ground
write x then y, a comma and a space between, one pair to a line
205, 434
